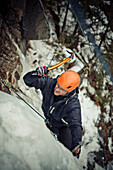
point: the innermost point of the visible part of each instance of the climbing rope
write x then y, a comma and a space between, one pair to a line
79, 15
6, 84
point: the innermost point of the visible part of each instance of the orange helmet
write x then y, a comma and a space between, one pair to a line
68, 80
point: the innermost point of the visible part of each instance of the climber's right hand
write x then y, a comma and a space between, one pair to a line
41, 71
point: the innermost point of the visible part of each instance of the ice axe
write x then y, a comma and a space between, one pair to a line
62, 62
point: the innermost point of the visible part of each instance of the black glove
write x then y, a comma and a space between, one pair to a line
42, 70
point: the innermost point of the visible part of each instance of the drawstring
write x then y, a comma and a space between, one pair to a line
69, 98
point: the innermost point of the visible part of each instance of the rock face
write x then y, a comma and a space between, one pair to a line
10, 66
35, 24
20, 21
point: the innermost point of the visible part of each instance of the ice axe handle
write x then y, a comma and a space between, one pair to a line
62, 62
59, 64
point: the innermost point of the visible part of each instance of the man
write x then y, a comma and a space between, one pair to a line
60, 104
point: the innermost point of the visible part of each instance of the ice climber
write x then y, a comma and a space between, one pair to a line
60, 104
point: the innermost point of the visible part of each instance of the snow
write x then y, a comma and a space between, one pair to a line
25, 141
90, 112
110, 144
29, 131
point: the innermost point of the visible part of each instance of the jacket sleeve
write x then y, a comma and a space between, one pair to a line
75, 125
31, 79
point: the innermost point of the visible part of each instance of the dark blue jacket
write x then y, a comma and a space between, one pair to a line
62, 110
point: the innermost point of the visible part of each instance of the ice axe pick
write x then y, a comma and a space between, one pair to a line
62, 62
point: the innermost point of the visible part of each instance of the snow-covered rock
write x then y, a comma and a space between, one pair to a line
25, 141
